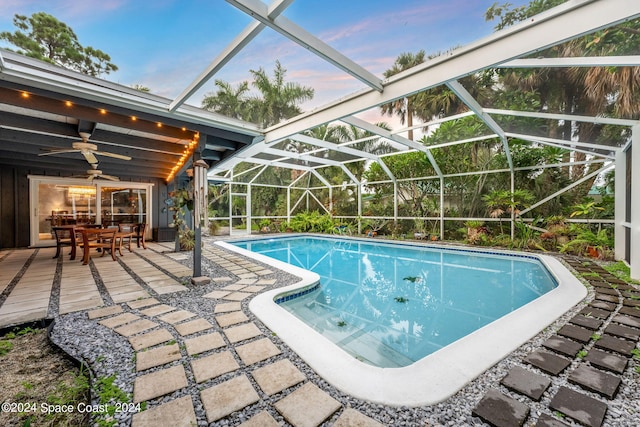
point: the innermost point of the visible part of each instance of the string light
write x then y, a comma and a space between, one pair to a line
187, 152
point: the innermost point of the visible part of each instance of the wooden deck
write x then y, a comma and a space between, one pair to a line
35, 286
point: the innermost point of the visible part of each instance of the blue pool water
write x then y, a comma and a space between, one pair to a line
390, 305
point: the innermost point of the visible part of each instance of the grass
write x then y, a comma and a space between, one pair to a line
622, 271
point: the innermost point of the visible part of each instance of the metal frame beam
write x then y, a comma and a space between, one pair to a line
293, 32
249, 33
569, 20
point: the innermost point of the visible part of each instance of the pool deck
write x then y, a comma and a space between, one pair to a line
129, 297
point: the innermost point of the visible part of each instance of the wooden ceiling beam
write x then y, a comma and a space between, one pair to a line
93, 113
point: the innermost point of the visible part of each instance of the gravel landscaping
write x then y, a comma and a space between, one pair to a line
110, 354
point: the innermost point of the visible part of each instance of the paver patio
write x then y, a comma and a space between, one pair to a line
227, 340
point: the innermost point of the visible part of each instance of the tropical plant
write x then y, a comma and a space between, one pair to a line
277, 99
43, 37
181, 201
403, 107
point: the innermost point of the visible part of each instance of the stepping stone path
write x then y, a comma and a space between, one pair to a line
177, 350
595, 347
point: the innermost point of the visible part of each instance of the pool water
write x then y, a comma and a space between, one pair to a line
390, 305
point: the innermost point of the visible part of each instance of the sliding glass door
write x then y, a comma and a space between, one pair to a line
63, 201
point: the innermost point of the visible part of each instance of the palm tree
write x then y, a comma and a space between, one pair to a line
279, 99
403, 107
587, 91
228, 100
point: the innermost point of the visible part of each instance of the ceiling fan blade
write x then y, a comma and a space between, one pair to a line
90, 157
110, 177
114, 155
58, 151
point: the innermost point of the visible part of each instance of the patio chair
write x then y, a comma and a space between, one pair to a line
103, 239
65, 236
139, 233
125, 233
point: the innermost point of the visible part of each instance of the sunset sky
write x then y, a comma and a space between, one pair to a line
165, 44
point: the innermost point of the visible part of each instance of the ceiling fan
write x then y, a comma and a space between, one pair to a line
88, 150
96, 173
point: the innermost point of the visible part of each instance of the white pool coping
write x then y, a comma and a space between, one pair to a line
433, 378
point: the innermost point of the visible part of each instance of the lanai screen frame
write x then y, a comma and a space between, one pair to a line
504, 49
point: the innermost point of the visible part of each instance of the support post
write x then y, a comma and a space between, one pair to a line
620, 196
200, 193
634, 257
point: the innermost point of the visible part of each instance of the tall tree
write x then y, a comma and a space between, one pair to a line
43, 37
592, 91
277, 99
228, 100
403, 107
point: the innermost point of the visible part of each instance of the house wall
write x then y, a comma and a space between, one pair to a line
14, 203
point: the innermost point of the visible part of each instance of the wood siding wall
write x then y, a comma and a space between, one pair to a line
14, 203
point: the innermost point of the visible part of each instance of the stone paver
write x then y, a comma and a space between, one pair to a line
622, 331
176, 316
217, 294
576, 332
586, 322
603, 305
141, 303
157, 357
119, 320
308, 406
580, 407
563, 345
212, 366
257, 351
231, 318
150, 339
548, 362
104, 312
619, 345
177, 413
546, 420
604, 360
606, 297
634, 322
526, 382
352, 418
204, 343
501, 411
230, 396
240, 284
630, 311
227, 306
136, 327
595, 380
157, 310
277, 376
159, 383
261, 419
192, 327
595, 312
237, 296
243, 332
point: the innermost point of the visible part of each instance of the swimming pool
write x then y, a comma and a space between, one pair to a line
391, 305
446, 368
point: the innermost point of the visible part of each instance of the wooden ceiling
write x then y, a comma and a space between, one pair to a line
37, 117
